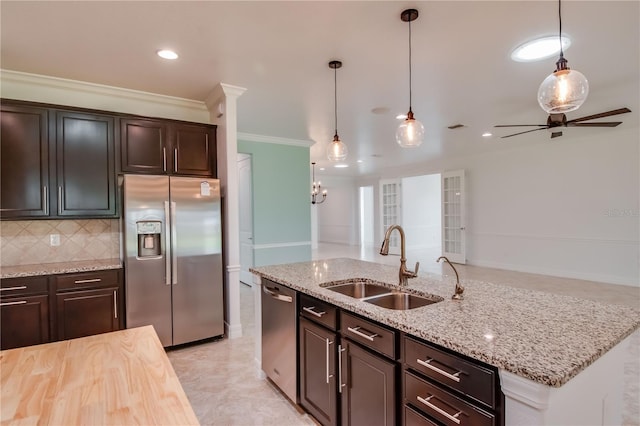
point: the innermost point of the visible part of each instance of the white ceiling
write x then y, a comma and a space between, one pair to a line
279, 51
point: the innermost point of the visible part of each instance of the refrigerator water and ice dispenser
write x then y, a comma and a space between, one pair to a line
149, 232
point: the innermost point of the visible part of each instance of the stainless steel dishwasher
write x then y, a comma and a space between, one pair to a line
279, 336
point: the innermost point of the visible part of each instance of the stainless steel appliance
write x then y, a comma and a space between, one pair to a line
279, 334
173, 256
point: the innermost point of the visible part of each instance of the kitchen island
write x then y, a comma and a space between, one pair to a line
559, 357
123, 377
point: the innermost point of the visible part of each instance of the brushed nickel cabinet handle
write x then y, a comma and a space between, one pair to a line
59, 199
328, 343
427, 364
175, 160
454, 418
45, 199
92, 280
357, 332
19, 287
21, 302
310, 309
340, 384
164, 159
115, 304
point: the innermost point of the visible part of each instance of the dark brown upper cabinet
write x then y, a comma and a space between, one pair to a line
56, 163
24, 157
152, 146
85, 165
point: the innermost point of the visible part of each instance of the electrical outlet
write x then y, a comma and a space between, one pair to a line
54, 240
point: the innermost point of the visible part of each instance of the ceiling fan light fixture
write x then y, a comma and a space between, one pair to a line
565, 89
336, 151
410, 133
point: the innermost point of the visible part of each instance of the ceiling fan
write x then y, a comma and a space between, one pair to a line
560, 120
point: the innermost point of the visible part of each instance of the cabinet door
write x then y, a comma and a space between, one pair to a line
318, 394
143, 146
84, 313
368, 387
24, 321
85, 161
194, 150
24, 157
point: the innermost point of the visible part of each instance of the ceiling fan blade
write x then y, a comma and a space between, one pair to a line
603, 124
528, 131
601, 115
556, 134
520, 125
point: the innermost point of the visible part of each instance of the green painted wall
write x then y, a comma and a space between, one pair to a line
281, 206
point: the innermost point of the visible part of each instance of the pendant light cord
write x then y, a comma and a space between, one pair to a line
335, 98
560, 33
409, 64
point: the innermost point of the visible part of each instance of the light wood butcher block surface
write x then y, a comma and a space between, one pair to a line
119, 378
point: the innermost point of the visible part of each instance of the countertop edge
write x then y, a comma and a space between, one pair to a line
24, 271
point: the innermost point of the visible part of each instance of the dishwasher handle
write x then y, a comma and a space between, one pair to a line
273, 292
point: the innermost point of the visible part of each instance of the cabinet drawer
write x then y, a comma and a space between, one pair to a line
472, 380
442, 405
318, 311
414, 418
368, 334
26, 285
94, 279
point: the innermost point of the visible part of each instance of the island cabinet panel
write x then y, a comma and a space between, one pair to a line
89, 303
368, 383
85, 164
24, 157
24, 312
154, 146
318, 391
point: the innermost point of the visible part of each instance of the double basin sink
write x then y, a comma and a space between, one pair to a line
382, 296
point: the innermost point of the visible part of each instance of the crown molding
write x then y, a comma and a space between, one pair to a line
250, 137
9, 76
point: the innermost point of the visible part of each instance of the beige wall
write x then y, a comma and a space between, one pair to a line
27, 242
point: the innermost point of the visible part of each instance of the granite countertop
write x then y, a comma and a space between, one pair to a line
58, 268
544, 337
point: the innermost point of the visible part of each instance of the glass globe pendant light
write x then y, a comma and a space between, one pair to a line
336, 151
565, 89
410, 133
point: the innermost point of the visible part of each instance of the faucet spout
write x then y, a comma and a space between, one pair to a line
459, 289
403, 273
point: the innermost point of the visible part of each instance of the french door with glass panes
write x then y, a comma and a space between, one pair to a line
391, 210
453, 216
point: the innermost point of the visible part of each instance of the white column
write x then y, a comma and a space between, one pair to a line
222, 105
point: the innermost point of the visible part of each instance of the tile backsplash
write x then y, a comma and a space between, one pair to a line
27, 242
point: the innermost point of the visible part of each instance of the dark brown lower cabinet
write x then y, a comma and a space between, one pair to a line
368, 387
25, 321
318, 391
87, 312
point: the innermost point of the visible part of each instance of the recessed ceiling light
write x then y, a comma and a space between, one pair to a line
359, 161
487, 134
341, 166
167, 54
401, 116
322, 169
380, 110
540, 48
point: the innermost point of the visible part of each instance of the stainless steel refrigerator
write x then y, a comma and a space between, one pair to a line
173, 256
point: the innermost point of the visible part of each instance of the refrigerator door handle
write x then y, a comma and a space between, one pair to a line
167, 252
174, 243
